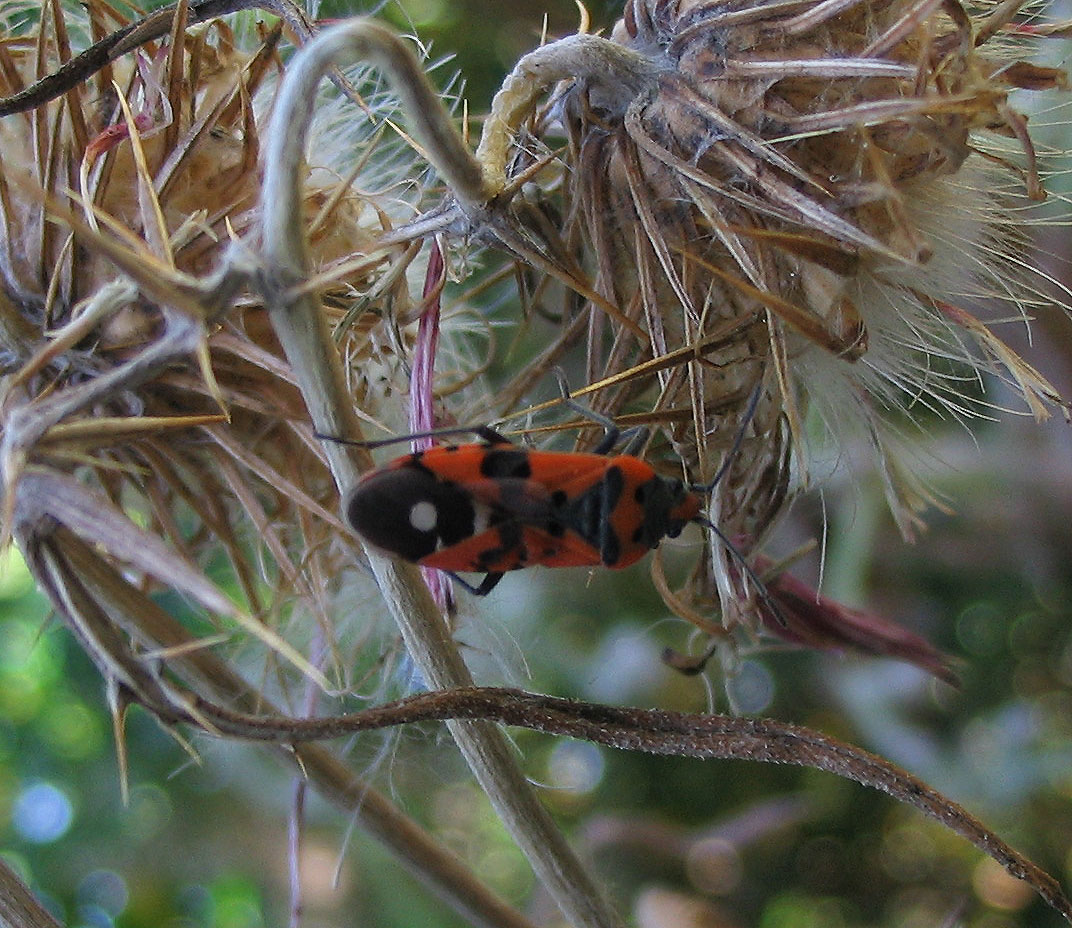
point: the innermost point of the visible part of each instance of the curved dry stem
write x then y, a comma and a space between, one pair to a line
430, 124
656, 731
104, 602
302, 331
621, 72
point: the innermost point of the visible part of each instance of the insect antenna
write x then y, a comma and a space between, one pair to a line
739, 557
707, 488
485, 432
634, 437
738, 440
485, 586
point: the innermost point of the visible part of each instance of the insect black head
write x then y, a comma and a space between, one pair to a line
668, 508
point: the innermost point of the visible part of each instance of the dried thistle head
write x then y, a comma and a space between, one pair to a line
121, 479
756, 202
812, 199
149, 422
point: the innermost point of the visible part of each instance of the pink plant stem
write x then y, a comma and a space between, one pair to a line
422, 396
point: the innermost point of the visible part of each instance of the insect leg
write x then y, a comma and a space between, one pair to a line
485, 432
486, 585
738, 440
488, 434
613, 435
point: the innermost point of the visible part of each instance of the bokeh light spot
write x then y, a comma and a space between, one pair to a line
981, 629
72, 730
236, 904
42, 813
149, 809
428, 13
714, 866
751, 688
998, 888
576, 766
104, 889
15, 579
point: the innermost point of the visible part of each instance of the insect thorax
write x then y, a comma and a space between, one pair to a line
621, 520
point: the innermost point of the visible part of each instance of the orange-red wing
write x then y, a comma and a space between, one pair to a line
558, 470
570, 550
535, 547
466, 463
460, 463
487, 470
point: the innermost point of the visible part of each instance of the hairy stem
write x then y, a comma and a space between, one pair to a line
302, 331
657, 731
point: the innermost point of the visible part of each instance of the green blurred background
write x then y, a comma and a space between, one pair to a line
747, 845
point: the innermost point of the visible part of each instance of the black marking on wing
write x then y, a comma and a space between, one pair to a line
588, 514
499, 463
511, 541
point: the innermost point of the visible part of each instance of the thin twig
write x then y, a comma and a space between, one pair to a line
302, 331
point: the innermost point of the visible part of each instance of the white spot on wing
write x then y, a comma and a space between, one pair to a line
423, 516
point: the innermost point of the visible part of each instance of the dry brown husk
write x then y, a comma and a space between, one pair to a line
810, 200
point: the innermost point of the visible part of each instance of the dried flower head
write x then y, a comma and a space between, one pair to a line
155, 438
811, 198
751, 206
149, 423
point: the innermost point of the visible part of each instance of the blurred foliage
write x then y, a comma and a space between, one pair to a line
206, 843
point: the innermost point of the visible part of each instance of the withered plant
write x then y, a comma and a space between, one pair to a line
739, 216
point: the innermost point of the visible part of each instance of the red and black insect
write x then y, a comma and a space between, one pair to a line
495, 507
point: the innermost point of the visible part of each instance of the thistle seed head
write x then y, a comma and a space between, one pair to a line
149, 422
811, 198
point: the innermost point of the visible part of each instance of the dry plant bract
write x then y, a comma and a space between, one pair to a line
812, 199
798, 201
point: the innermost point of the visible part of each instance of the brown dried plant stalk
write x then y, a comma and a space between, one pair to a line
719, 198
